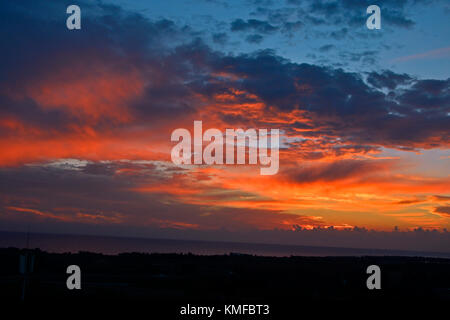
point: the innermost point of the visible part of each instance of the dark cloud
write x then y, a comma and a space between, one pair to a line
326, 48
388, 79
291, 27
441, 198
410, 201
111, 42
283, 20
368, 57
396, 18
353, 13
339, 34
344, 105
220, 38
341, 170
443, 210
102, 193
261, 2
254, 38
338, 19
253, 25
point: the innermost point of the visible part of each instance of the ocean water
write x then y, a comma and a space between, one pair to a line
59, 243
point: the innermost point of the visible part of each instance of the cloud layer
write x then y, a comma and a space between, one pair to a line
86, 117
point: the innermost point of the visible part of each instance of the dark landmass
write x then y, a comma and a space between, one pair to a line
165, 282
60, 243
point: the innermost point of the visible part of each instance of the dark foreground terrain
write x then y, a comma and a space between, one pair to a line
164, 283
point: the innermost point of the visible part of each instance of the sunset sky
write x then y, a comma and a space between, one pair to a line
86, 115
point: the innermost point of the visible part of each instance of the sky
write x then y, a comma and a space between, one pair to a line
86, 118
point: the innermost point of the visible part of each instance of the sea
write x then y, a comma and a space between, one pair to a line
60, 243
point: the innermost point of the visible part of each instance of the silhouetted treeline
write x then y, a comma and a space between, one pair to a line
174, 279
